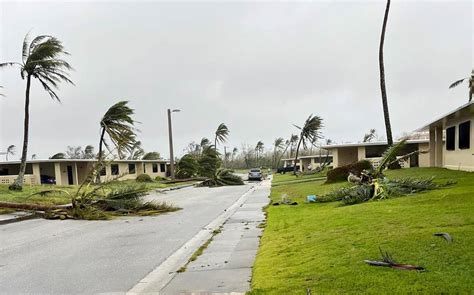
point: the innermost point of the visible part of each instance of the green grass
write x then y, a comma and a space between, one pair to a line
322, 246
24, 196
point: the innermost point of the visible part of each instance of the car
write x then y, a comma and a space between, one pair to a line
255, 174
283, 170
46, 179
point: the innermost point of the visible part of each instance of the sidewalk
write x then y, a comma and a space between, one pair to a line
225, 266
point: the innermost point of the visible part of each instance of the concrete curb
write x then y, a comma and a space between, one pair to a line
15, 218
166, 271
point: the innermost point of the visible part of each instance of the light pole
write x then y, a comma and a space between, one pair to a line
170, 134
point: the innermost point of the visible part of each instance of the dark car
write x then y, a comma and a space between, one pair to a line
46, 179
283, 170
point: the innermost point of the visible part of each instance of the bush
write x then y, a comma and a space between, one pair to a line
341, 173
161, 178
144, 178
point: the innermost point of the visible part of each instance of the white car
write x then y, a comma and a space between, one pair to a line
255, 174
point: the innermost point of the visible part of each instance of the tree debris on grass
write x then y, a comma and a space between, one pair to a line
446, 236
388, 261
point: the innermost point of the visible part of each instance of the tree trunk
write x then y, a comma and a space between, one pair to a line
18, 184
296, 156
386, 114
100, 156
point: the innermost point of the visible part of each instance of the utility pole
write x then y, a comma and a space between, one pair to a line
170, 134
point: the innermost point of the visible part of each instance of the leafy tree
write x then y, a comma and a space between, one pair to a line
209, 162
41, 60
309, 131
471, 84
151, 156
221, 134
118, 124
58, 156
74, 152
386, 114
11, 150
186, 167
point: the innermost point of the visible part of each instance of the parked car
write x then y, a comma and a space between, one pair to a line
46, 179
283, 170
255, 174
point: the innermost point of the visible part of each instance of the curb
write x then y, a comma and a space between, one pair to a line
18, 219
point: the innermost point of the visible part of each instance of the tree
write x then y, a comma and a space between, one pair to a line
89, 152
42, 60
293, 141
33, 157
151, 156
118, 124
58, 156
277, 145
209, 162
186, 167
309, 131
11, 150
258, 150
74, 152
368, 137
235, 150
221, 134
383, 90
471, 84
137, 151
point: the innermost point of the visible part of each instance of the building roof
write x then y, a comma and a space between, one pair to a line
84, 161
373, 143
465, 108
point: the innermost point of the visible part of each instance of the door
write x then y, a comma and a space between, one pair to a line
69, 175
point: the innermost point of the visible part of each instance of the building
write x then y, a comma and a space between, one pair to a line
343, 154
306, 163
450, 139
75, 171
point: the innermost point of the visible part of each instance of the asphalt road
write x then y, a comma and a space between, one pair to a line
72, 257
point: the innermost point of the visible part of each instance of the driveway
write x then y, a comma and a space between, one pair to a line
71, 256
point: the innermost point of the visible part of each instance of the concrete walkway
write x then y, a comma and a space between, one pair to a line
226, 264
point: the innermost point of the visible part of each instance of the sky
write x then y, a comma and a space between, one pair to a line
258, 67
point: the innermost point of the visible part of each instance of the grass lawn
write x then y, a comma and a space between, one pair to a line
322, 246
61, 198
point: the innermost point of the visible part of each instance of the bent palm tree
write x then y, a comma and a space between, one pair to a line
388, 127
277, 145
309, 132
42, 60
471, 84
118, 124
258, 150
293, 142
222, 133
10, 151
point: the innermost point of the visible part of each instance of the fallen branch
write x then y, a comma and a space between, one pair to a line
389, 262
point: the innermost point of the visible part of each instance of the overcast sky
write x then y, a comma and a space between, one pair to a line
259, 67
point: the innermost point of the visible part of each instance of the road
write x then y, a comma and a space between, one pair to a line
72, 257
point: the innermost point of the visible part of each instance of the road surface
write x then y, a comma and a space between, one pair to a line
71, 256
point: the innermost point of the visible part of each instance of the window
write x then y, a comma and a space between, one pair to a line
115, 169
131, 168
102, 172
162, 167
465, 135
450, 141
155, 168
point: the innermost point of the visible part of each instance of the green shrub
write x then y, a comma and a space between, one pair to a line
144, 178
161, 178
341, 173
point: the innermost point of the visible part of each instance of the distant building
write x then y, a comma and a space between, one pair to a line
450, 139
307, 163
75, 171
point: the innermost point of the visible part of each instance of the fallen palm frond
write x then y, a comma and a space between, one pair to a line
445, 236
223, 177
388, 261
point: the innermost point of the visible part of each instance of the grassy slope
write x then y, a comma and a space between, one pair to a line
61, 198
322, 246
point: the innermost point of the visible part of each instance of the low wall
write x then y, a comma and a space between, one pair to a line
9, 179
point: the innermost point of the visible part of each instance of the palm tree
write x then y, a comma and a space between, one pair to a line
235, 150
10, 151
309, 131
222, 133
277, 145
137, 151
118, 124
368, 137
258, 150
89, 152
41, 59
471, 84
386, 114
293, 141
152, 156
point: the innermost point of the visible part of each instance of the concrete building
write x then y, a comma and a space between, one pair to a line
343, 154
75, 171
306, 163
450, 139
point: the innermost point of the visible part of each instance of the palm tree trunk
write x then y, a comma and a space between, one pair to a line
18, 184
386, 114
99, 156
296, 155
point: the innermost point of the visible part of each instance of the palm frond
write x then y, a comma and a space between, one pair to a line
456, 83
222, 133
389, 155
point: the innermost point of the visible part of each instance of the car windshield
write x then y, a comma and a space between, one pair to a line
254, 170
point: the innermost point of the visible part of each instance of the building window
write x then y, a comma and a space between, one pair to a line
465, 135
115, 169
155, 168
450, 138
162, 167
131, 168
103, 172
